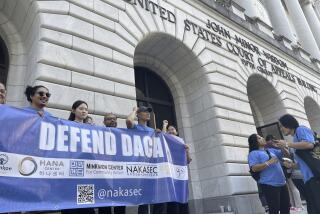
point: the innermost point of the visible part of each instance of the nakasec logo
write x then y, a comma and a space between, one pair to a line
142, 170
27, 166
3, 161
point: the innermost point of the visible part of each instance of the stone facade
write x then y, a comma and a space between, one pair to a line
225, 78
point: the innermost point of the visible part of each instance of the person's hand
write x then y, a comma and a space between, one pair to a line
165, 123
186, 147
288, 164
158, 131
280, 143
275, 145
189, 159
272, 161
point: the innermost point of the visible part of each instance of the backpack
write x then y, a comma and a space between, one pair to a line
256, 175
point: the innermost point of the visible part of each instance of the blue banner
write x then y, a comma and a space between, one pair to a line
47, 163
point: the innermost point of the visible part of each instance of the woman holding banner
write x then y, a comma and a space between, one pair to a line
79, 111
78, 114
175, 207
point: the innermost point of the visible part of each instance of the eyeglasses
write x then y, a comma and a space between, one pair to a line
41, 94
3, 91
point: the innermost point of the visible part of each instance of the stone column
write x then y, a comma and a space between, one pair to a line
301, 25
279, 20
312, 18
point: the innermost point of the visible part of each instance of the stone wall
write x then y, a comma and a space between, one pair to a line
87, 49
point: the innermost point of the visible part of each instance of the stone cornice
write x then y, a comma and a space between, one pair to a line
250, 26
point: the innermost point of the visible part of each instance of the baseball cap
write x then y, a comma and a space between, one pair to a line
144, 109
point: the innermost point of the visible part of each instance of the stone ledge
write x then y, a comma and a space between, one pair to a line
262, 26
238, 10
284, 40
303, 53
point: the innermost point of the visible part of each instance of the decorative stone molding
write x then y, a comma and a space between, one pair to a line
316, 62
225, 3
301, 52
284, 40
261, 25
237, 9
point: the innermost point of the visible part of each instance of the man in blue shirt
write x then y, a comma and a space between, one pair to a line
143, 115
303, 139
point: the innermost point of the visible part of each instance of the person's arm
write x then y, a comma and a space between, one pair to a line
298, 145
262, 166
301, 145
285, 152
131, 117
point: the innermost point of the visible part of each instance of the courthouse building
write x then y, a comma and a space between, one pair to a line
219, 70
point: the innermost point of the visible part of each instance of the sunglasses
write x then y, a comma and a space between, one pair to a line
41, 94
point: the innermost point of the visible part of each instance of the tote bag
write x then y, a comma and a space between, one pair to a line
312, 158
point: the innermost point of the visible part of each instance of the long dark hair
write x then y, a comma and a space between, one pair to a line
75, 105
253, 142
30, 91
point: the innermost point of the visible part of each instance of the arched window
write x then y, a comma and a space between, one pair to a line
4, 61
152, 90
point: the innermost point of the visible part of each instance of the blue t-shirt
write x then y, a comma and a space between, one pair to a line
272, 175
303, 134
33, 110
142, 128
